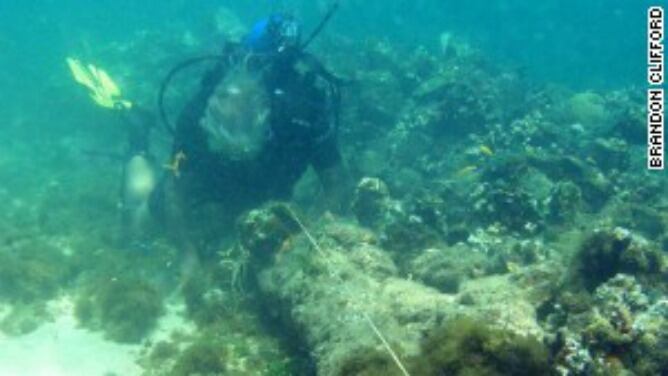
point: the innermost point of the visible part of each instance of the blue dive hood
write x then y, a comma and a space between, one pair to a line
272, 34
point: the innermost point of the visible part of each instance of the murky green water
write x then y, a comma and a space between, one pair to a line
428, 188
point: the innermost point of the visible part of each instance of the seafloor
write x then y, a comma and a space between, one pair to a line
500, 226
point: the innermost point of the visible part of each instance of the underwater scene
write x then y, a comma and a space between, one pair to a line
332, 187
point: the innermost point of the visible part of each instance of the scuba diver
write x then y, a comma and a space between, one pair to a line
265, 112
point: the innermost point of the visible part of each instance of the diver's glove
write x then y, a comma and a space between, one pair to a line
103, 89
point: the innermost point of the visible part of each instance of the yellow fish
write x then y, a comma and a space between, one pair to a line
466, 170
484, 149
512, 267
175, 165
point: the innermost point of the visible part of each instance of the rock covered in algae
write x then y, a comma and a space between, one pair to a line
588, 109
206, 356
628, 115
403, 226
328, 292
608, 252
611, 153
463, 346
329, 295
649, 221
371, 201
565, 202
596, 187
446, 268
265, 230
513, 208
622, 332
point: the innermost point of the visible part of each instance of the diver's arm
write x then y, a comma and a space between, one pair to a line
139, 122
187, 140
316, 66
193, 110
327, 161
195, 107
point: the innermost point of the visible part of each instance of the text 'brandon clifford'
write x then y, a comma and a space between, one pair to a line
655, 93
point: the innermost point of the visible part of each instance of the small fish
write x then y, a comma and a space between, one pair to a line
233, 90
512, 267
175, 165
466, 170
484, 149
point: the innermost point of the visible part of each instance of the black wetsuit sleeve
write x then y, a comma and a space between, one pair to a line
186, 125
139, 123
187, 134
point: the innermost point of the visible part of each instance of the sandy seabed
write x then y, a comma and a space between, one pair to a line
61, 348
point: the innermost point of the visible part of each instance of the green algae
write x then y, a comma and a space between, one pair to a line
23, 319
369, 362
32, 271
204, 357
126, 310
467, 347
205, 304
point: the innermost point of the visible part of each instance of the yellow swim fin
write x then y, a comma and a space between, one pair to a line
103, 90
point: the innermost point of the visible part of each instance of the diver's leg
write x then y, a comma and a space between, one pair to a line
139, 179
174, 210
139, 185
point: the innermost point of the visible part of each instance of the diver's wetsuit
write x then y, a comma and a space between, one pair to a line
302, 134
